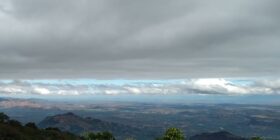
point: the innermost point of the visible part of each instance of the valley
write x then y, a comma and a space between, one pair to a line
150, 120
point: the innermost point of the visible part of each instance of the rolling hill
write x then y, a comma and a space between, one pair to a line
73, 123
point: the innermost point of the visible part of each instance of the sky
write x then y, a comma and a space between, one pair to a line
211, 86
184, 46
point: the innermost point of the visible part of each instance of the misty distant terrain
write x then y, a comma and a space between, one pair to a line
152, 119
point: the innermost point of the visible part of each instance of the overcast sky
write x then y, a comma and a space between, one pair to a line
144, 39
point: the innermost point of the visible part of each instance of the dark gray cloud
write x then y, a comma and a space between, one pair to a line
153, 39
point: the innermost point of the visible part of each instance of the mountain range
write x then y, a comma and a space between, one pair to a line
73, 123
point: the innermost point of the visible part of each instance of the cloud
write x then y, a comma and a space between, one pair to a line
145, 39
217, 86
41, 91
172, 87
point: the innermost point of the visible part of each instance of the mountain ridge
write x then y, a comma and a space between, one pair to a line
221, 135
75, 124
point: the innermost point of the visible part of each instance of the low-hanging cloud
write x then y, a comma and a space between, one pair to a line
147, 39
178, 87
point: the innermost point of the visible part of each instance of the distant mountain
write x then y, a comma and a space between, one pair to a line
76, 124
222, 135
21, 103
2, 99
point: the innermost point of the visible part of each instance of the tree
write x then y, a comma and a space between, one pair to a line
3, 117
173, 134
98, 136
130, 138
14, 123
52, 129
256, 138
31, 125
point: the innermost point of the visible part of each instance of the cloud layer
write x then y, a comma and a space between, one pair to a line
147, 39
174, 87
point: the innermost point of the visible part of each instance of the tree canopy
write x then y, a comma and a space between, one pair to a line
173, 134
256, 138
99, 136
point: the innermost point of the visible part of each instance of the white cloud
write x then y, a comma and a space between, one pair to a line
42, 91
218, 86
112, 92
189, 86
134, 90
